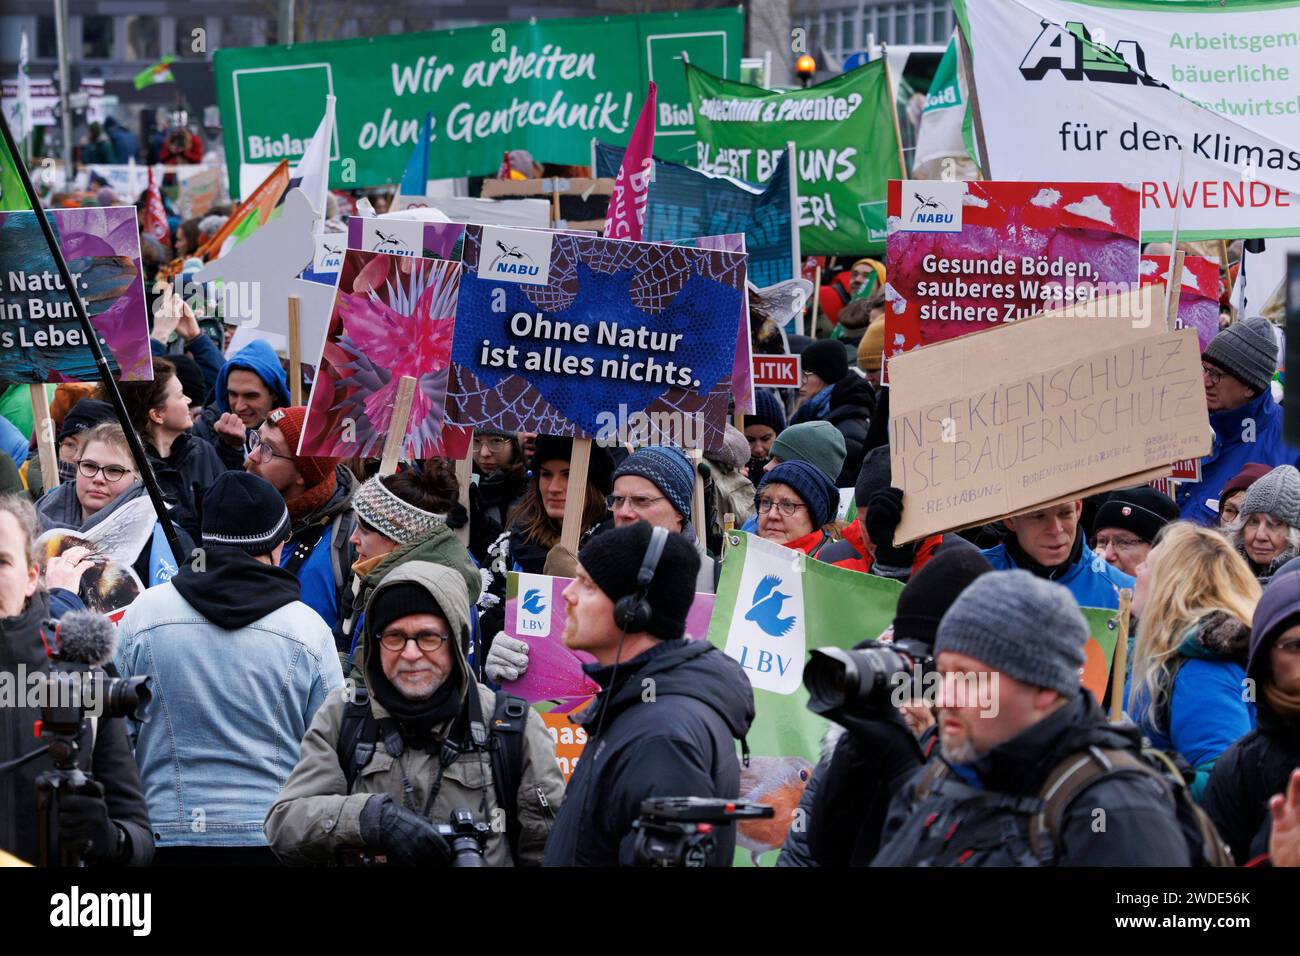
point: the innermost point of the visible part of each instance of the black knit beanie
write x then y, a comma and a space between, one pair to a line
613, 558
931, 591
397, 601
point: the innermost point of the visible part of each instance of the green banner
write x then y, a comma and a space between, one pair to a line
773, 606
845, 137
549, 86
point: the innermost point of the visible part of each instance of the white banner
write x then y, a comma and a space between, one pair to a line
1120, 91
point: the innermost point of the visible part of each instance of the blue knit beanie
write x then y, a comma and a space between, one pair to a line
668, 470
811, 484
767, 411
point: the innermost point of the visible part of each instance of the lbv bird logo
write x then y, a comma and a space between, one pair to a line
532, 602
766, 608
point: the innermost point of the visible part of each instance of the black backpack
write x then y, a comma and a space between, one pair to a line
503, 739
1068, 780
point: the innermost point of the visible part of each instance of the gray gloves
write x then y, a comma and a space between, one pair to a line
507, 659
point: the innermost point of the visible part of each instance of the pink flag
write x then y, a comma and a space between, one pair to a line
155, 216
626, 216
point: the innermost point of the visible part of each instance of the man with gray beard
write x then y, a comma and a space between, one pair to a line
984, 803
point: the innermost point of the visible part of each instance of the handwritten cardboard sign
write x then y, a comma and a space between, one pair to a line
1066, 405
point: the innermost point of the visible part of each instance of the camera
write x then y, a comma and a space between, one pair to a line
679, 831
862, 679
466, 837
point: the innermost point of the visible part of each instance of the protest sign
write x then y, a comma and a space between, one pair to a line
393, 316
687, 202
773, 606
742, 371
1122, 92
1198, 300
1061, 406
260, 274
406, 237
198, 193
777, 371
546, 86
967, 256
846, 145
573, 335
114, 544
40, 337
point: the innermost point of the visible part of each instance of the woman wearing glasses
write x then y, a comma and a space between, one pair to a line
106, 480
500, 476
182, 462
1258, 765
1267, 530
1193, 599
797, 504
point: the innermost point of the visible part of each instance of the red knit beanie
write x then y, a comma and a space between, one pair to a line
289, 421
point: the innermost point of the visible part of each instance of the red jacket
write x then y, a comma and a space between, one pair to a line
852, 533
810, 543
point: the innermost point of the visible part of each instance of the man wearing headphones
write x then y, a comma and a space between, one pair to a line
670, 709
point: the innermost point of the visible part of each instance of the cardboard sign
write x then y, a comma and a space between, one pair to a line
1060, 407
574, 335
777, 371
964, 257
40, 337
393, 316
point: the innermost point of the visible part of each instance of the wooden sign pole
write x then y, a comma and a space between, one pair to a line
698, 514
1174, 292
893, 111
396, 436
1119, 664
575, 499
44, 436
295, 351
464, 475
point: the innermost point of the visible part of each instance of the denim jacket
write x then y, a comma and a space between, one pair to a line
229, 710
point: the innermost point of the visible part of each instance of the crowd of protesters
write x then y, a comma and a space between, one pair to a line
363, 617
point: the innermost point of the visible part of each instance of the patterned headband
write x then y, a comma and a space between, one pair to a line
392, 517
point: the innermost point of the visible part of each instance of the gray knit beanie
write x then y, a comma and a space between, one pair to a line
1027, 628
1277, 495
1247, 350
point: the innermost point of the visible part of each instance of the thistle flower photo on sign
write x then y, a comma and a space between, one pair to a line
393, 316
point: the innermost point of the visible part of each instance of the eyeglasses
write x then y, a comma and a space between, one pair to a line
112, 473
1213, 374
254, 447
1119, 544
427, 641
493, 443
787, 508
1290, 646
638, 502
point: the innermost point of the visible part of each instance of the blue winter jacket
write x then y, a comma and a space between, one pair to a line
1237, 443
12, 441
1092, 581
1207, 712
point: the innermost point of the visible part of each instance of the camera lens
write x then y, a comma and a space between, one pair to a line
838, 678
128, 698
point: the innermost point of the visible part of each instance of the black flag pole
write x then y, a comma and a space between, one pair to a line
101, 363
